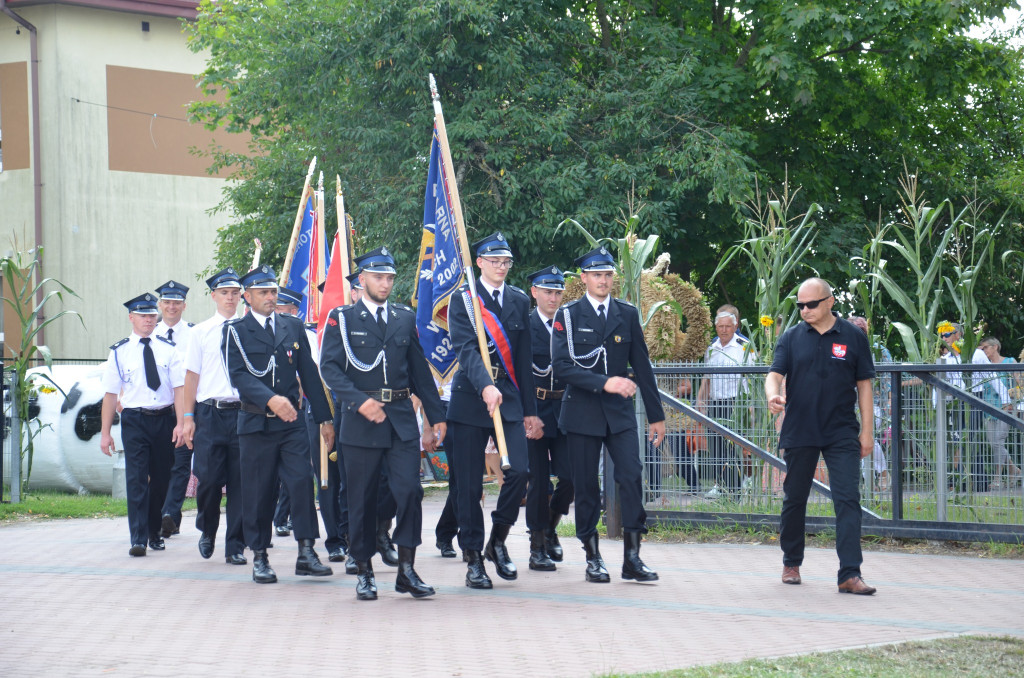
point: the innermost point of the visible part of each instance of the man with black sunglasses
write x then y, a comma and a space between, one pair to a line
827, 364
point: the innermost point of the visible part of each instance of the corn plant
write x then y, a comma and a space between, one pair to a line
19, 272
776, 245
919, 246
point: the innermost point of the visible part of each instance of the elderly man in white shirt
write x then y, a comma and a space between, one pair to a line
717, 397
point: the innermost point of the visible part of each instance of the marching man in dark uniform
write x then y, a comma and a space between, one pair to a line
548, 452
147, 372
373, 362
476, 394
595, 339
211, 423
266, 355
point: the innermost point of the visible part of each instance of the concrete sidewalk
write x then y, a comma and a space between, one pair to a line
73, 603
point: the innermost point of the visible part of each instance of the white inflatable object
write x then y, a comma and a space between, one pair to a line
67, 450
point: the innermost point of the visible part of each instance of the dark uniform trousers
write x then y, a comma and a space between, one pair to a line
148, 455
386, 506
330, 505
217, 466
468, 420
550, 453
843, 462
271, 449
181, 472
469, 443
592, 417
448, 524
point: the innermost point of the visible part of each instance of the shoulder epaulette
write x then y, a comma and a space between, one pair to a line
623, 302
571, 303
742, 340
191, 324
309, 326
403, 307
166, 340
233, 321
113, 347
516, 289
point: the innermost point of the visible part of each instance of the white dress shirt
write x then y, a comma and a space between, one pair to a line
206, 359
125, 373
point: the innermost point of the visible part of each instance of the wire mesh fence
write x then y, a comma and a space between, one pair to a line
946, 460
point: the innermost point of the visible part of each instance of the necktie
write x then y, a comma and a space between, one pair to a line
497, 298
170, 333
149, 360
270, 329
380, 320
600, 316
549, 322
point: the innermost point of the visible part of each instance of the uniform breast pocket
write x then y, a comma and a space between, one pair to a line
402, 341
585, 341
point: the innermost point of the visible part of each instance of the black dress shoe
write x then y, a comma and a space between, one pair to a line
476, 575
137, 550
385, 547
496, 552
156, 543
446, 548
282, 530
308, 563
336, 555
350, 565
551, 543
168, 526
235, 559
262, 573
366, 586
539, 559
407, 580
205, 546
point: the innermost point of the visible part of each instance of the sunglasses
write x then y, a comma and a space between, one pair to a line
947, 335
811, 304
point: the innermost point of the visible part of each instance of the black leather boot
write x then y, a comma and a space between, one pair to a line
496, 552
596, 571
350, 565
308, 563
385, 547
476, 575
407, 580
262, 573
539, 559
632, 566
366, 585
551, 543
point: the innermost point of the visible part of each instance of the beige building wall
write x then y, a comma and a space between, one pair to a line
109, 234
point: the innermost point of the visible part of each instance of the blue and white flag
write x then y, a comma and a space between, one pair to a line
298, 276
441, 271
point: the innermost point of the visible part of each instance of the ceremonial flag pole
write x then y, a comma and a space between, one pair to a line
283, 279
467, 262
317, 260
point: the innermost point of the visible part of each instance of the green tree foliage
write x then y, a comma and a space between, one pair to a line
560, 109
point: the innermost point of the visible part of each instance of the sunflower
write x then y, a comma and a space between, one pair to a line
766, 321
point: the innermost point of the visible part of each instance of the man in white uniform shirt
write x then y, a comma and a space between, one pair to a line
211, 423
717, 394
147, 372
171, 327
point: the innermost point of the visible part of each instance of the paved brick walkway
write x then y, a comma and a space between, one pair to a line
72, 602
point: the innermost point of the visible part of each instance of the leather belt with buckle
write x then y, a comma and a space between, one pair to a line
167, 409
222, 404
389, 395
498, 372
544, 394
256, 409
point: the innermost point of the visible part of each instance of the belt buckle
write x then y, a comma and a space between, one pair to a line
541, 394
385, 395
494, 372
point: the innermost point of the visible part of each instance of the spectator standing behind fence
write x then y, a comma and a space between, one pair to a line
879, 464
949, 354
717, 397
827, 364
996, 392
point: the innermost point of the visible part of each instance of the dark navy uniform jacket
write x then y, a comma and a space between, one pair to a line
466, 405
406, 368
290, 347
586, 407
547, 410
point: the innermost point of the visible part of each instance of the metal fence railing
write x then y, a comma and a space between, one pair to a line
946, 462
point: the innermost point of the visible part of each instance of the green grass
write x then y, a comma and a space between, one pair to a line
943, 658
45, 505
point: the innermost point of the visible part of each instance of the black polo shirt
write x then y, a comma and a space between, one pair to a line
822, 371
